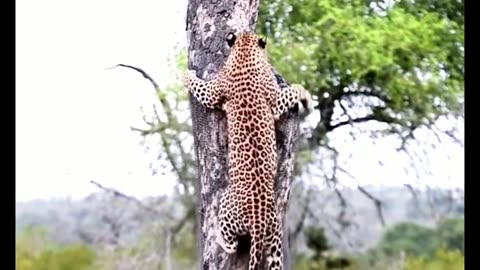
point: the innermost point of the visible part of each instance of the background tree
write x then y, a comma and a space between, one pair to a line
401, 62
378, 69
399, 65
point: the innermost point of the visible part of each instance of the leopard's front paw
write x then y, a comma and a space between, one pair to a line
305, 98
188, 76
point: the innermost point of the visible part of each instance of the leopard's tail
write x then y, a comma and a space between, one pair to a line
257, 234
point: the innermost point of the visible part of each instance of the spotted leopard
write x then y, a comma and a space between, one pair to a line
246, 89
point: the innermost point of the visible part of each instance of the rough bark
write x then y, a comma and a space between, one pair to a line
208, 23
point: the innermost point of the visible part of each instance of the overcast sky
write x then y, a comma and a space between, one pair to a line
74, 116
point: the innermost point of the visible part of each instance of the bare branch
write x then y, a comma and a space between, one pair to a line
415, 198
341, 218
144, 117
370, 117
412, 191
404, 139
343, 202
171, 230
345, 172
174, 229
370, 93
170, 118
155, 111
454, 138
338, 234
312, 215
145, 75
345, 111
162, 99
306, 204
352, 121
143, 132
449, 133
433, 212
450, 203
378, 204
129, 198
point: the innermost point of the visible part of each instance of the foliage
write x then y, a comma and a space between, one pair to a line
35, 252
316, 240
443, 260
411, 238
403, 63
154, 249
420, 241
452, 233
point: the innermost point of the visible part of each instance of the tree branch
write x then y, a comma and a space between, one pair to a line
306, 204
171, 119
378, 204
161, 97
370, 93
145, 75
170, 230
352, 121
341, 220
129, 198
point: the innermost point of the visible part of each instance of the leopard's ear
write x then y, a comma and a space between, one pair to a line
262, 42
230, 39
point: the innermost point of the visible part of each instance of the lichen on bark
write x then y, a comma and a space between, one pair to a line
207, 25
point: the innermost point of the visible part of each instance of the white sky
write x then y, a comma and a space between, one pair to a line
74, 116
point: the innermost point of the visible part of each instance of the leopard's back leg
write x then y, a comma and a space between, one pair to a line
231, 222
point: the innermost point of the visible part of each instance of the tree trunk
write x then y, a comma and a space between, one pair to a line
208, 23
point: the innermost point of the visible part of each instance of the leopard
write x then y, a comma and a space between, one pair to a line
246, 89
